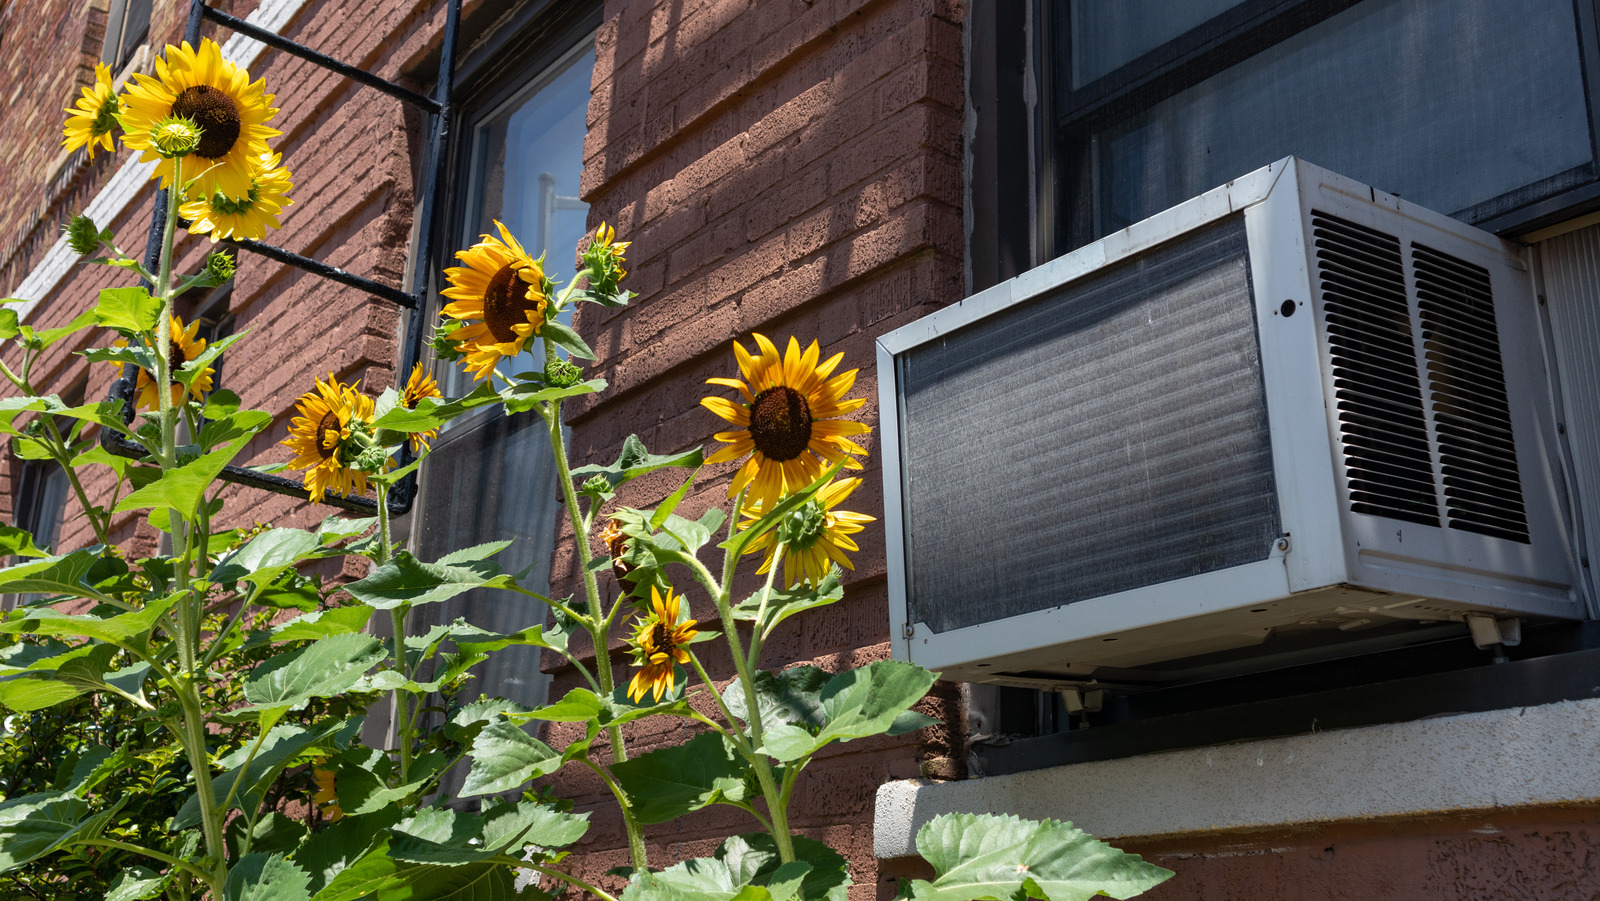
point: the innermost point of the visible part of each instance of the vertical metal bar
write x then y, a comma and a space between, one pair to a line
422, 263
191, 32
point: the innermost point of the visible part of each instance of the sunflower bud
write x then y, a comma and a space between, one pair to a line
562, 374
444, 347
603, 258
801, 527
596, 486
220, 267
175, 136
83, 236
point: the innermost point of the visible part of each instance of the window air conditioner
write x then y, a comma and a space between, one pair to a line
1291, 419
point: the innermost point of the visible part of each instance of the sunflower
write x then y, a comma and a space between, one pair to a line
326, 797
186, 345
317, 437
215, 94
814, 537
502, 287
421, 384
658, 642
92, 118
788, 422
247, 216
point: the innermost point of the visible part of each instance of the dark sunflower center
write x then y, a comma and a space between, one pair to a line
505, 303
175, 360
780, 423
328, 424
214, 111
660, 638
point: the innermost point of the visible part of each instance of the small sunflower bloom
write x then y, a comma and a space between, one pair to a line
789, 422
500, 294
186, 345
814, 537
658, 643
326, 797
421, 384
198, 84
250, 215
329, 416
604, 258
175, 136
92, 119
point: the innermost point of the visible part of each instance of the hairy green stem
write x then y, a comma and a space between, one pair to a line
599, 625
101, 528
401, 697
167, 859
573, 881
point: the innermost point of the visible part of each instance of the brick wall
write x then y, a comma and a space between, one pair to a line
786, 166
792, 168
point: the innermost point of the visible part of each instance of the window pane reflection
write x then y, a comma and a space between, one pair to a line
1450, 105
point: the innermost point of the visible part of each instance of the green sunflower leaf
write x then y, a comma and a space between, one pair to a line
634, 461
266, 877
322, 669
19, 543
526, 395
42, 338
856, 703
32, 826
670, 782
137, 884
504, 758
193, 369
282, 747
10, 327
128, 310
431, 413
989, 856
566, 339
784, 603
267, 556
406, 580
181, 488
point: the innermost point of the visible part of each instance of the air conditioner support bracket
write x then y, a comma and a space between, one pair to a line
1489, 633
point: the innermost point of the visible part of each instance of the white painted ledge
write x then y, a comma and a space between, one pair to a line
123, 188
1504, 758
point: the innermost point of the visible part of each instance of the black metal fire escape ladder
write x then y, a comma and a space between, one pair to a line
437, 108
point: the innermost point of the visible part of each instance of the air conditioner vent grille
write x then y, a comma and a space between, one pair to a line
1482, 487
1378, 389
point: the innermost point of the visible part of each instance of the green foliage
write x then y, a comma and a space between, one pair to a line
190, 724
1005, 857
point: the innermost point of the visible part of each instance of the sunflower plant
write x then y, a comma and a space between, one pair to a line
253, 680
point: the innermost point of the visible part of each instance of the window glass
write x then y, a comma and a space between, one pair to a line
1457, 106
526, 159
127, 24
1108, 34
492, 477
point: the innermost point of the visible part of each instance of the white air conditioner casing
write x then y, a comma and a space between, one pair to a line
1290, 419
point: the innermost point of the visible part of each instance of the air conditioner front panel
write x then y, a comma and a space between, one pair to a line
1119, 426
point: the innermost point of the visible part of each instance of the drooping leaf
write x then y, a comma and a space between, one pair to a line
406, 580
431, 413
990, 856
131, 629
508, 826
524, 396
565, 338
323, 623
42, 338
635, 461
19, 542
784, 603
856, 703
670, 782
793, 696
267, 556
753, 859
322, 669
74, 574
439, 835
504, 757
236, 425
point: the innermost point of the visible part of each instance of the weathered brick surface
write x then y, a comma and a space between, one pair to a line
788, 166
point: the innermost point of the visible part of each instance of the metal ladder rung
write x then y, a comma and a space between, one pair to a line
273, 39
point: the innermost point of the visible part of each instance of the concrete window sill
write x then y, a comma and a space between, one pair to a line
1499, 759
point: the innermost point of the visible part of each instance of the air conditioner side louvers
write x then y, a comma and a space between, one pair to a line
1391, 466
1382, 424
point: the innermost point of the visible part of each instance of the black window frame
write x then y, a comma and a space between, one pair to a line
127, 28
1018, 182
1031, 128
